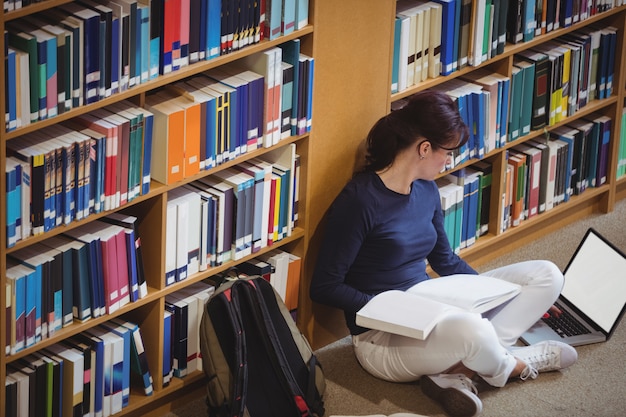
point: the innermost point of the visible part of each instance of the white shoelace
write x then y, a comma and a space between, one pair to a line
465, 381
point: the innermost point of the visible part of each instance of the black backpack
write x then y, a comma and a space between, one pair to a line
257, 362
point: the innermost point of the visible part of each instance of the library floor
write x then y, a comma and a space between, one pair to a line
594, 386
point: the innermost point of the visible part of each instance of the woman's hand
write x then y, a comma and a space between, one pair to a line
554, 311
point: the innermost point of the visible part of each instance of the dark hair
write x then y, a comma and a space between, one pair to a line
429, 115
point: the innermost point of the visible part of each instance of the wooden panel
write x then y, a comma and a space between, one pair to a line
352, 50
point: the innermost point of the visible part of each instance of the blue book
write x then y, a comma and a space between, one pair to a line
474, 209
97, 372
528, 20
256, 199
26, 42
504, 110
167, 348
88, 281
447, 35
213, 34
133, 273
288, 19
461, 179
238, 89
138, 361
526, 112
611, 64
13, 199
396, 54
255, 105
156, 20
76, 64
18, 275
273, 15
86, 297
67, 248
603, 149
464, 112
179, 310
146, 60
286, 100
472, 118
55, 275
291, 55
36, 322
566, 134
517, 83
42, 51
566, 13
478, 117
123, 368
212, 224
309, 92
112, 368
91, 41
11, 85
116, 45
302, 13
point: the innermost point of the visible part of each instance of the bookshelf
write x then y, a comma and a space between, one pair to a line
370, 63
353, 47
150, 209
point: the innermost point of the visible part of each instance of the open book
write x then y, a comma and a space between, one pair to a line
416, 311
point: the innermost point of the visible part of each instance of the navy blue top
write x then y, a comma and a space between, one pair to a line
377, 240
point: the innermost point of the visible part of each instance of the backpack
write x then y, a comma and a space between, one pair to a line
257, 362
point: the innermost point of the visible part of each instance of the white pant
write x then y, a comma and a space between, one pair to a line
480, 343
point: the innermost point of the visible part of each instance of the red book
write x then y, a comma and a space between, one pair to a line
533, 163
111, 193
271, 212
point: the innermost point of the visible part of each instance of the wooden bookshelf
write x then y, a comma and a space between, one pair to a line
349, 101
151, 211
352, 45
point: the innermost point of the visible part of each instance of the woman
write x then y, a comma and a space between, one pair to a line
383, 227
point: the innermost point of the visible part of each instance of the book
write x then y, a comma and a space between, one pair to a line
168, 152
139, 360
73, 372
541, 87
416, 311
122, 369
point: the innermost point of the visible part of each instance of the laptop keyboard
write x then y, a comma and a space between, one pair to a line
566, 324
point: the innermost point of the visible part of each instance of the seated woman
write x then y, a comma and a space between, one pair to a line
381, 230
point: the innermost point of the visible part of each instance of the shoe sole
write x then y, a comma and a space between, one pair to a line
453, 401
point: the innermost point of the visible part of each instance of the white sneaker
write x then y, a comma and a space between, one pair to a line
546, 356
454, 392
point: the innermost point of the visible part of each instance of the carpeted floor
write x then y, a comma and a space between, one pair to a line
594, 386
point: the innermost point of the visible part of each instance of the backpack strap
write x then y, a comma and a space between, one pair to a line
313, 397
272, 341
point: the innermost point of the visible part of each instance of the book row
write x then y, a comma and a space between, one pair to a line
438, 37
231, 214
219, 115
547, 85
81, 52
88, 272
184, 308
90, 373
103, 160
93, 163
540, 175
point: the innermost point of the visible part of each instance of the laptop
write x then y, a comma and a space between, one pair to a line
593, 296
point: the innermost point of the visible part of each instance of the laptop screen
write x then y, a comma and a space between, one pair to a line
595, 280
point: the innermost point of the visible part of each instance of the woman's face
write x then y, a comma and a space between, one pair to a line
435, 159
